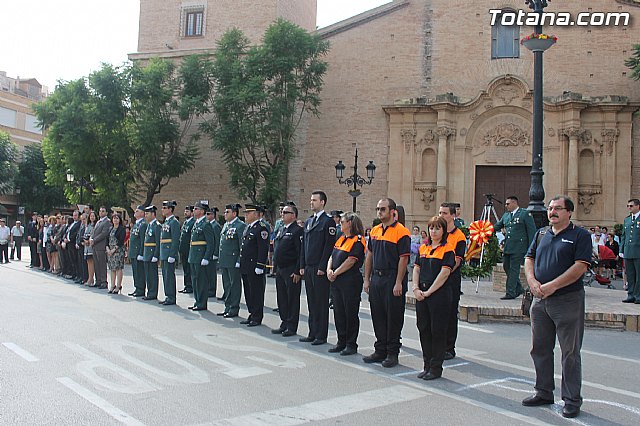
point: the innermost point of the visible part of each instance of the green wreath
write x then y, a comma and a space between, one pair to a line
490, 259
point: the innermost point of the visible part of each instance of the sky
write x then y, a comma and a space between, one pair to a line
53, 40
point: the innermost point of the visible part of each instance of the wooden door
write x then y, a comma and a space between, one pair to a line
502, 182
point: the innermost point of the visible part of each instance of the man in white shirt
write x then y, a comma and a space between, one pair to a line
4, 241
17, 233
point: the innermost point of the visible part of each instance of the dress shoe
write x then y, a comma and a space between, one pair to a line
221, 314
245, 322
186, 291
102, 286
228, 315
374, 357
337, 348
431, 376
198, 308
349, 351
449, 355
220, 298
318, 342
149, 298
288, 333
134, 294
390, 361
253, 324
423, 373
507, 297
306, 339
570, 411
629, 300
167, 303
276, 310
637, 302
191, 307
536, 401
277, 331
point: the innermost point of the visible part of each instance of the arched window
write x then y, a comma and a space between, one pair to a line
505, 39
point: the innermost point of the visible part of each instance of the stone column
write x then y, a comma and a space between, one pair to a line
443, 133
573, 133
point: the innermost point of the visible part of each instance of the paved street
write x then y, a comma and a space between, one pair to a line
74, 355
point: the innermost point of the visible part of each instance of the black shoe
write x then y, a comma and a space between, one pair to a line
134, 294
637, 302
390, 361
149, 298
431, 376
276, 310
318, 342
374, 357
306, 339
221, 314
186, 291
288, 333
197, 308
449, 355
536, 401
103, 287
167, 303
507, 297
278, 331
228, 315
629, 300
245, 322
220, 298
570, 411
337, 348
253, 324
423, 373
349, 351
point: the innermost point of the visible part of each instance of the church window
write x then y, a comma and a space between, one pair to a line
505, 40
193, 19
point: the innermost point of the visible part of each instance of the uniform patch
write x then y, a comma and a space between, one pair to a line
332, 231
264, 235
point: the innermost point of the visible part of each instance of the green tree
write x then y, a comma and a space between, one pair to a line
35, 193
634, 62
260, 97
8, 157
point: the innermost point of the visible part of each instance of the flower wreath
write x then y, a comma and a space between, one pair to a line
477, 233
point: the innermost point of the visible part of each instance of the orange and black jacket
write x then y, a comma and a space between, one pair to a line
345, 248
388, 245
458, 240
431, 260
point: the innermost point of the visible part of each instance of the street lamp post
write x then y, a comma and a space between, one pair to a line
82, 183
355, 179
536, 191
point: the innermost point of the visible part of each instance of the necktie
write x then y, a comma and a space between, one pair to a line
314, 221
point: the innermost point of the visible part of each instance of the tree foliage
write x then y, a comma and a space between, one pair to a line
35, 193
129, 128
634, 62
260, 95
8, 158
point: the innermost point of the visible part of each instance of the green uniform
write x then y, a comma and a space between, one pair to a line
459, 222
169, 244
630, 248
136, 241
519, 230
152, 251
229, 264
212, 268
185, 239
201, 248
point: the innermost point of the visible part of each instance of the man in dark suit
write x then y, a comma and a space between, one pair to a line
70, 238
253, 264
286, 263
318, 241
32, 238
98, 240
136, 249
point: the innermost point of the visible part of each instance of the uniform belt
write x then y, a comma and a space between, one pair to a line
198, 243
167, 240
385, 272
149, 244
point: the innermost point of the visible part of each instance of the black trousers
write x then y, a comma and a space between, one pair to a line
4, 253
254, 286
72, 257
288, 295
346, 308
433, 316
33, 249
83, 269
387, 313
45, 259
317, 288
454, 282
17, 247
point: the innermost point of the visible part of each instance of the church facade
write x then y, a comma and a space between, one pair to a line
441, 101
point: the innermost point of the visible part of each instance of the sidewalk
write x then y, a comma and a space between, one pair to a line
604, 307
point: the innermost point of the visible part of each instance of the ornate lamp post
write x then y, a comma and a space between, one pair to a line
537, 46
81, 183
355, 179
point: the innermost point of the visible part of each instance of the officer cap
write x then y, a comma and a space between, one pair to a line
235, 207
169, 204
282, 204
214, 209
141, 207
290, 203
150, 209
336, 213
189, 208
201, 205
252, 208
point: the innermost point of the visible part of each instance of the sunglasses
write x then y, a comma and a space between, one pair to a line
381, 209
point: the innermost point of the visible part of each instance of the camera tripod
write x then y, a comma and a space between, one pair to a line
487, 211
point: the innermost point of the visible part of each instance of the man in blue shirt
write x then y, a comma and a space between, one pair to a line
554, 266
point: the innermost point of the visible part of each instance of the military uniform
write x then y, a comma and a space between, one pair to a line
212, 268
185, 239
286, 261
201, 249
151, 254
136, 248
253, 266
519, 230
169, 245
630, 248
229, 264
458, 222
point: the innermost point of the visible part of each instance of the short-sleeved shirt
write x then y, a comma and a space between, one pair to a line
555, 254
345, 248
388, 245
432, 260
458, 241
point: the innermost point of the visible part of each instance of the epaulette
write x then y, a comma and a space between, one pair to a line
262, 224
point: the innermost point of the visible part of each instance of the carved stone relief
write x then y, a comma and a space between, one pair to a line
428, 191
408, 138
444, 131
507, 93
609, 138
506, 134
587, 198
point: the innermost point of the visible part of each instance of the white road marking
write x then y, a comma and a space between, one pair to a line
24, 354
102, 404
619, 358
328, 408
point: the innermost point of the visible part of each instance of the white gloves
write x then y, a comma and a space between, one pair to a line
154, 259
204, 262
140, 258
621, 255
259, 271
237, 264
171, 259
215, 257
